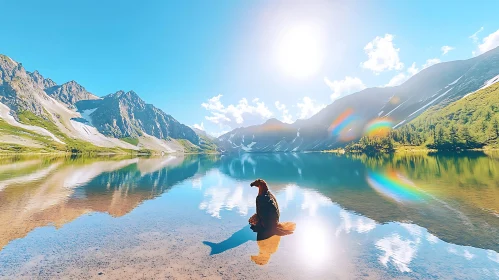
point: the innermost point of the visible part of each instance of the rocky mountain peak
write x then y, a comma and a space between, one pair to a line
40, 81
8, 68
129, 97
69, 93
273, 121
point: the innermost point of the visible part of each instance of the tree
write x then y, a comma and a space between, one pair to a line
433, 130
495, 128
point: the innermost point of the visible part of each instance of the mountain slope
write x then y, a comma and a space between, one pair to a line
470, 122
37, 113
69, 93
440, 84
125, 114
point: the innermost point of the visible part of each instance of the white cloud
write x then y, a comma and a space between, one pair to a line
488, 43
309, 108
241, 114
413, 70
382, 55
446, 49
344, 87
474, 37
286, 116
430, 62
397, 80
401, 77
218, 134
199, 126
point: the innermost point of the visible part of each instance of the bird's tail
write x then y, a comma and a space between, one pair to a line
211, 245
285, 228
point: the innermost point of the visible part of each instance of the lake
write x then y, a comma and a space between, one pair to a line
400, 216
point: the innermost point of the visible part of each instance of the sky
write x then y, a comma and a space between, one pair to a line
219, 65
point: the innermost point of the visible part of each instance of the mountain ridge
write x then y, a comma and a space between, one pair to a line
42, 108
437, 85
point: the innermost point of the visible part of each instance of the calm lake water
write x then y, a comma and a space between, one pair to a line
402, 216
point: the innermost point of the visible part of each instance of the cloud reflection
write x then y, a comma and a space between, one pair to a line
352, 222
222, 197
397, 250
493, 256
312, 201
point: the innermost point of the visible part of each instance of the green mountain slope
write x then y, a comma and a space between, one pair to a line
471, 122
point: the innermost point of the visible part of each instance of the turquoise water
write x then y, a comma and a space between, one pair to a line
412, 216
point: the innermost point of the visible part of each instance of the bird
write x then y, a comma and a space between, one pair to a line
266, 219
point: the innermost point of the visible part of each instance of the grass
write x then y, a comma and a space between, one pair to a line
131, 140
74, 146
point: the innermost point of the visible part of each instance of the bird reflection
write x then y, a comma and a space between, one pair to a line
237, 239
267, 241
266, 248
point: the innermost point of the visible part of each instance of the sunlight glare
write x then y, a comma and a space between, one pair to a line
314, 249
300, 50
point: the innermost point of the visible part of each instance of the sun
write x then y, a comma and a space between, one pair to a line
300, 50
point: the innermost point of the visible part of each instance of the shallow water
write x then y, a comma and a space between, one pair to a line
173, 217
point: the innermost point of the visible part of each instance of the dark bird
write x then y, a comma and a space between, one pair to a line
266, 219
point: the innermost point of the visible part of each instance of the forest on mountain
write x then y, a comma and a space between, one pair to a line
469, 123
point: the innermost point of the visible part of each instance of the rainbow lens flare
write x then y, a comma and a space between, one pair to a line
395, 100
378, 127
394, 186
343, 125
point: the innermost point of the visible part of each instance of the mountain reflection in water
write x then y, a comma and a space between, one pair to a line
416, 215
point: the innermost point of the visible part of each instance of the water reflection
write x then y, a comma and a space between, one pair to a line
237, 239
456, 191
266, 247
356, 215
397, 250
57, 191
394, 186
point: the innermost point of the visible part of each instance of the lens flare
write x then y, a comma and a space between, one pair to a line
378, 127
344, 125
394, 186
395, 100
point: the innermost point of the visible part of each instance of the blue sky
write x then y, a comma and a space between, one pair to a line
226, 64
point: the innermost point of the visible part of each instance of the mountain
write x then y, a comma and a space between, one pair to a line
69, 93
202, 133
438, 85
36, 114
125, 114
471, 122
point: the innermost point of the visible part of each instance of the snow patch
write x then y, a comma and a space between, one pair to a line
399, 124
431, 102
6, 115
90, 134
11, 60
249, 147
28, 178
85, 114
487, 84
453, 83
396, 107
